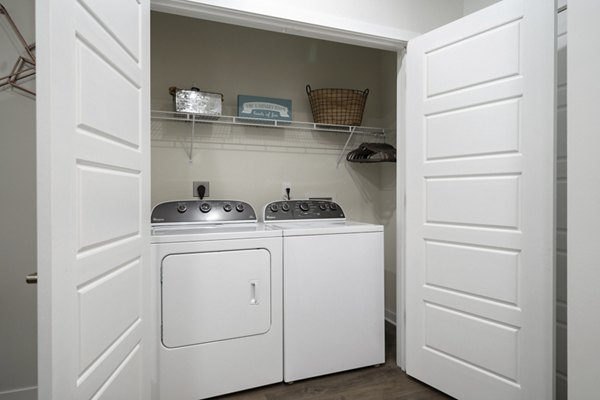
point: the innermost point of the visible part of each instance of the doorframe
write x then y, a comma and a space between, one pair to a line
401, 211
376, 40
379, 38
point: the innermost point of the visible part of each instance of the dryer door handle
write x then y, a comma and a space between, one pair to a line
254, 292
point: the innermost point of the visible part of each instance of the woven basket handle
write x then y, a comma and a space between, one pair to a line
308, 89
366, 92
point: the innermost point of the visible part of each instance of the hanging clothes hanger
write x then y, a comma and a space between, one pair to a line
24, 67
372, 152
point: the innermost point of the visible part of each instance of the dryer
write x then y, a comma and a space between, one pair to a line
217, 284
333, 290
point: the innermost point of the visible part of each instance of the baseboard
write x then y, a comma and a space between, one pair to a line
390, 316
29, 393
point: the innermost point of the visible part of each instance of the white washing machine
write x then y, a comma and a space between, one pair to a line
218, 290
333, 290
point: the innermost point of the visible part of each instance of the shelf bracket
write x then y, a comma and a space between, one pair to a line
191, 153
352, 129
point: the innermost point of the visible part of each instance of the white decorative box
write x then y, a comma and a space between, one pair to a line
195, 101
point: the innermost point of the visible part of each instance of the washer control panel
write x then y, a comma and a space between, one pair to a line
298, 210
203, 211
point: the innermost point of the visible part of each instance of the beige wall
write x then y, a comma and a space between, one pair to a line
583, 208
18, 330
252, 163
470, 6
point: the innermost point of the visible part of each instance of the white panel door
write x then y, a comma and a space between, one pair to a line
480, 170
93, 198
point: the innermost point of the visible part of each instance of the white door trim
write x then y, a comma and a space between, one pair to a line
369, 36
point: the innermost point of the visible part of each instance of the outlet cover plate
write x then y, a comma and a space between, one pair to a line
195, 185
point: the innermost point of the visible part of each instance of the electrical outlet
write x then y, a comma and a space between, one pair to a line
284, 187
195, 185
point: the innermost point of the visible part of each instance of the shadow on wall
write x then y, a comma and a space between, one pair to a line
18, 329
377, 184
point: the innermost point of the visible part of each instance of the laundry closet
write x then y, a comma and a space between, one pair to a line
256, 164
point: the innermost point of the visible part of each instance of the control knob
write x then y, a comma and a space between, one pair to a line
333, 206
227, 207
239, 207
205, 207
285, 207
304, 206
274, 208
323, 207
181, 208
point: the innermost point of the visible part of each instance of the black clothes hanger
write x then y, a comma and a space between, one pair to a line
372, 152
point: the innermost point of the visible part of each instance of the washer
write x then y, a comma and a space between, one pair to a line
333, 291
218, 292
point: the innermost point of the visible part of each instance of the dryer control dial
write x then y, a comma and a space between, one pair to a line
202, 211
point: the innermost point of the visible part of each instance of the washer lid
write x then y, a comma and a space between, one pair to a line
305, 228
205, 232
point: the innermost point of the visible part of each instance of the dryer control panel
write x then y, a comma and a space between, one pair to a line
202, 211
299, 210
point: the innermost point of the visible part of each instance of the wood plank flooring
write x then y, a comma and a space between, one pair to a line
386, 382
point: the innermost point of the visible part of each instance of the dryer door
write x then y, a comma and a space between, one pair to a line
213, 296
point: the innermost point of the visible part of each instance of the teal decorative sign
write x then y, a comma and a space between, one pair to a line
264, 107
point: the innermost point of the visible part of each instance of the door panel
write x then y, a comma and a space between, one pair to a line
467, 133
100, 80
93, 200
127, 29
458, 267
475, 200
480, 149
458, 65
108, 307
451, 333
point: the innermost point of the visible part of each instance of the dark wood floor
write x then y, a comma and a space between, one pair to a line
386, 382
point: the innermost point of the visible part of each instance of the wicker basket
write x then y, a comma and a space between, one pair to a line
337, 106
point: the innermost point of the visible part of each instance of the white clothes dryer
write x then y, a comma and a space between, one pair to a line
218, 294
333, 290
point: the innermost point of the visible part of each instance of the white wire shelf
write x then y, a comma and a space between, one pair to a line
264, 123
378, 134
